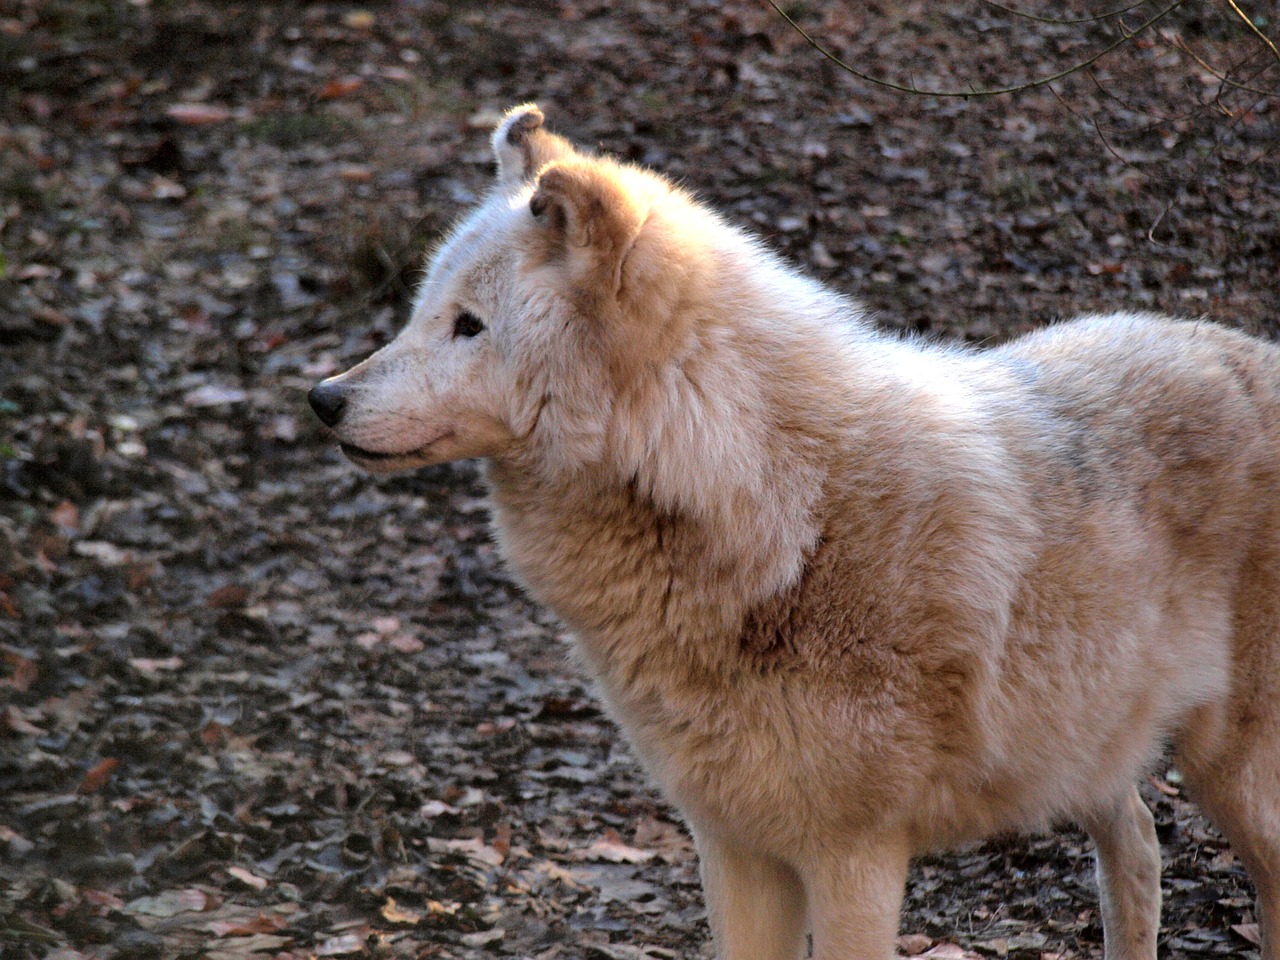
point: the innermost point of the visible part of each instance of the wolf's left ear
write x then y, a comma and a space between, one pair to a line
523, 147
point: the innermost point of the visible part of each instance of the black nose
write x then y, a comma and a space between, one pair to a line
328, 400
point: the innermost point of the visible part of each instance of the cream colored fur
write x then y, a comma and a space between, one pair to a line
854, 598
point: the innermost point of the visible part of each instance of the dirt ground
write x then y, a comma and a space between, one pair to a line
254, 703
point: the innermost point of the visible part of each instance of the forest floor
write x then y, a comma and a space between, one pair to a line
253, 702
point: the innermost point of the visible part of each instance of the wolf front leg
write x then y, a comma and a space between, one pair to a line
854, 900
1128, 853
755, 904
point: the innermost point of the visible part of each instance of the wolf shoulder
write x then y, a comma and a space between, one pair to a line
1178, 418
1139, 357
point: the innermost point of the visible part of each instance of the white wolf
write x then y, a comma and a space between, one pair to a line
854, 598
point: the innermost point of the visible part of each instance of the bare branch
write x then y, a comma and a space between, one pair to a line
1097, 129
1159, 120
1214, 154
1127, 36
1254, 27
1181, 46
1065, 22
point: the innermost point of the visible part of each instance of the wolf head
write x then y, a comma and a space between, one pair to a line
540, 309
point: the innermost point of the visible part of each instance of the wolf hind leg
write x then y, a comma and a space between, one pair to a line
1229, 751
1242, 798
1128, 864
756, 905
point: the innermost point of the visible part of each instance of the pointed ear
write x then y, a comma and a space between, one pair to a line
588, 218
523, 147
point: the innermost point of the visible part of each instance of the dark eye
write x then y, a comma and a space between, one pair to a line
467, 324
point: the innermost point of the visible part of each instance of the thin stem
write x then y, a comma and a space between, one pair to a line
1215, 153
1181, 45
1065, 23
1254, 27
990, 91
1098, 130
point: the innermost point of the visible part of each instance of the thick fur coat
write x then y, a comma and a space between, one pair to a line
854, 598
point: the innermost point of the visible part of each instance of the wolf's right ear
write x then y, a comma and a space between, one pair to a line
523, 146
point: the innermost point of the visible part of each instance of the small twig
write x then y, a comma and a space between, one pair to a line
988, 92
1133, 108
1151, 230
1254, 27
1261, 155
390, 276
391, 267
1097, 128
1160, 119
1181, 46
1065, 23
1215, 153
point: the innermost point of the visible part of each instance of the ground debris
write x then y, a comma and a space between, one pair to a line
256, 704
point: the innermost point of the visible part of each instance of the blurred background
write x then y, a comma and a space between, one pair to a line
253, 703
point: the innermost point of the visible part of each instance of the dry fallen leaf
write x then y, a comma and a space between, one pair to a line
502, 839
435, 808
102, 898
227, 597
152, 665
198, 114
13, 720
243, 948
556, 872
262, 923
1096, 269
393, 913
948, 951
913, 944
98, 775
406, 643
25, 671
247, 878
170, 903
213, 395
108, 554
340, 88
612, 850
472, 849
213, 733
482, 938
665, 839
356, 173
66, 953
1248, 931
359, 19
340, 945
67, 516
